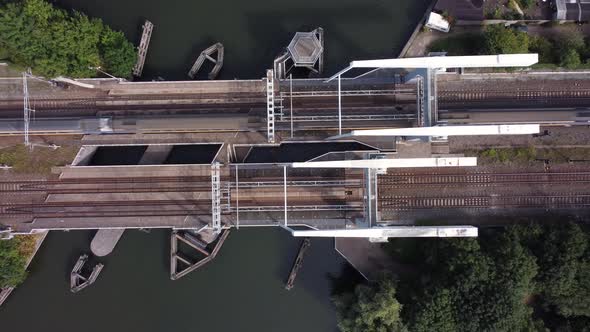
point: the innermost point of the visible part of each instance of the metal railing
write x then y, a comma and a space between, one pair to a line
329, 93
215, 197
319, 183
368, 117
270, 106
281, 208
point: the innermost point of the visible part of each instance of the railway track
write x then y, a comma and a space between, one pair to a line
48, 185
107, 208
152, 208
481, 179
407, 203
483, 95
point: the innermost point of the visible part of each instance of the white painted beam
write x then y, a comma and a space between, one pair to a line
390, 163
469, 61
467, 130
393, 231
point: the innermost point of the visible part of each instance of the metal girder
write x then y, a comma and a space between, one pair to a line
270, 106
393, 231
281, 208
353, 117
215, 197
420, 100
330, 93
27, 108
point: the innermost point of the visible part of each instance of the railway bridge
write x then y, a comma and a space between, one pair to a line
394, 95
345, 188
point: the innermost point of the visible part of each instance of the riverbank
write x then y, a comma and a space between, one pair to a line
37, 241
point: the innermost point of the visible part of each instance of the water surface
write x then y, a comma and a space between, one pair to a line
255, 31
241, 290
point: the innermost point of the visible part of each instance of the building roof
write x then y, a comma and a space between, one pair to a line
572, 10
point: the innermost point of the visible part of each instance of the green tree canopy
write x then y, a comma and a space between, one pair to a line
54, 42
12, 264
502, 40
436, 313
118, 54
489, 283
543, 47
369, 308
570, 59
564, 258
475, 288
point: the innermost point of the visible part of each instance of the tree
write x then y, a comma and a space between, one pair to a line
486, 284
370, 308
565, 269
474, 288
570, 59
436, 313
501, 40
526, 3
12, 264
543, 47
571, 39
117, 53
55, 42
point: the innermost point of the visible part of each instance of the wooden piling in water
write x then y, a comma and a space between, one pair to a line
77, 281
176, 256
193, 242
143, 48
206, 55
298, 263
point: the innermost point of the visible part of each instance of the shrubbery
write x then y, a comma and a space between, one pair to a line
12, 262
568, 49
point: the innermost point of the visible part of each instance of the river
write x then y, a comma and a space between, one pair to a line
243, 288
254, 31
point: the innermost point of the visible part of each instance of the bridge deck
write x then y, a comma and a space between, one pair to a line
256, 198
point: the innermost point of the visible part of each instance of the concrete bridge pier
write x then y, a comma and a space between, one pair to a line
105, 240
